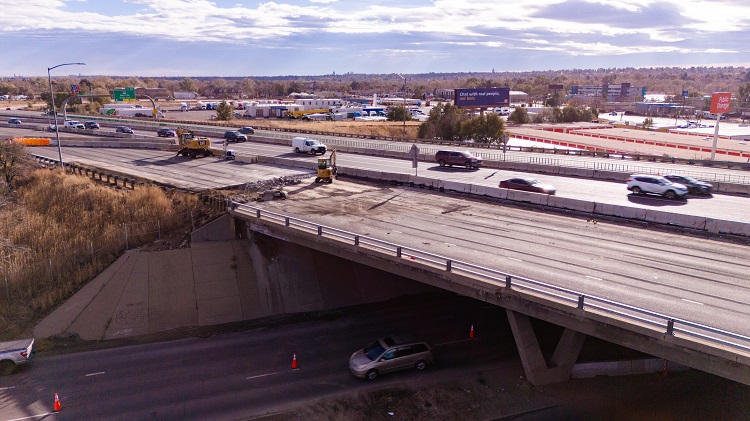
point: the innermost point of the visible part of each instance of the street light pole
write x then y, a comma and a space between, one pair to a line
403, 133
54, 111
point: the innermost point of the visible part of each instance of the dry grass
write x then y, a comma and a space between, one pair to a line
380, 128
59, 231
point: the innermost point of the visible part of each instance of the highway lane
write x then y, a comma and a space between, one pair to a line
703, 173
213, 175
164, 167
688, 277
245, 374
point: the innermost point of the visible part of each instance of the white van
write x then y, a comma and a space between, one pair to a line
73, 124
306, 145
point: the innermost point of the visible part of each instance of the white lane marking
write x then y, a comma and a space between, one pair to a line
513, 258
594, 277
450, 244
691, 301
33, 416
453, 342
7, 388
398, 232
94, 374
262, 375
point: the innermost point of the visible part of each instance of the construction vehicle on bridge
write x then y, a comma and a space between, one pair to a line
327, 168
192, 146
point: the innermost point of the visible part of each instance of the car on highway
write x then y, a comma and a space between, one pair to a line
246, 130
656, 184
234, 136
463, 159
388, 354
694, 186
166, 132
527, 184
14, 121
124, 129
91, 125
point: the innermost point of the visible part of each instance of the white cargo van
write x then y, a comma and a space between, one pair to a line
306, 145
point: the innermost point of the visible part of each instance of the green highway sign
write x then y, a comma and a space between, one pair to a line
127, 94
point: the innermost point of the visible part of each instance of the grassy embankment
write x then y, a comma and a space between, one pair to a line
59, 231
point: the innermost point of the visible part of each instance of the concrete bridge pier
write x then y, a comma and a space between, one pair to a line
537, 370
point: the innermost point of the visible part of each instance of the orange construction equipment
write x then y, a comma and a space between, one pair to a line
57, 407
294, 361
471, 332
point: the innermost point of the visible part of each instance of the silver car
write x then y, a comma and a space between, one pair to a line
390, 353
655, 184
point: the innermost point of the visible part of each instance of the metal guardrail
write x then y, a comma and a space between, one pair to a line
670, 325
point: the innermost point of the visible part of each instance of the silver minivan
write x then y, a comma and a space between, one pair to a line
390, 353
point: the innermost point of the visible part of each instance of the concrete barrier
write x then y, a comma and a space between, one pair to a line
577, 172
669, 218
398, 177
732, 188
571, 204
610, 175
486, 190
528, 197
455, 186
719, 226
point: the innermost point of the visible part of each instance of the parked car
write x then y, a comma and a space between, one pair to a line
124, 129
655, 184
91, 125
694, 186
464, 159
15, 353
166, 132
234, 136
247, 130
527, 184
388, 354
14, 121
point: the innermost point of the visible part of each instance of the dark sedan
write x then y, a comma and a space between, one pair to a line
166, 132
694, 186
124, 129
247, 130
527, 184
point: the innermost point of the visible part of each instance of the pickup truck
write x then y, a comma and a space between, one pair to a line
15, 353
305, 145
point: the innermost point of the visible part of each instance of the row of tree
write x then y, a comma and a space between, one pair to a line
698, 81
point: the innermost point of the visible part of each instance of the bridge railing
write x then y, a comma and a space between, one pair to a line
668, 324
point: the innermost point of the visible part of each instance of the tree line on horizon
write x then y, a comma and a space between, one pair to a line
670, 81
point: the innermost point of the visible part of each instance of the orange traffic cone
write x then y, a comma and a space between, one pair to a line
294, 361
471, 332
57, 404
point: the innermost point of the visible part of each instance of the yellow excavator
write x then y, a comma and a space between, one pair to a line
192, 146
327, 168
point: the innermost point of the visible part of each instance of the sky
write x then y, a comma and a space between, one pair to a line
321, 37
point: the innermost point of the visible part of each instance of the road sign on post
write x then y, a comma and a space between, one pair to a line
414, 153
719, 105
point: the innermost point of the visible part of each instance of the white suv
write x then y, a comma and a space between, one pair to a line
654, 184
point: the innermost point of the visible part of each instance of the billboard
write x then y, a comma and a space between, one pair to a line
720, 102
482, 97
